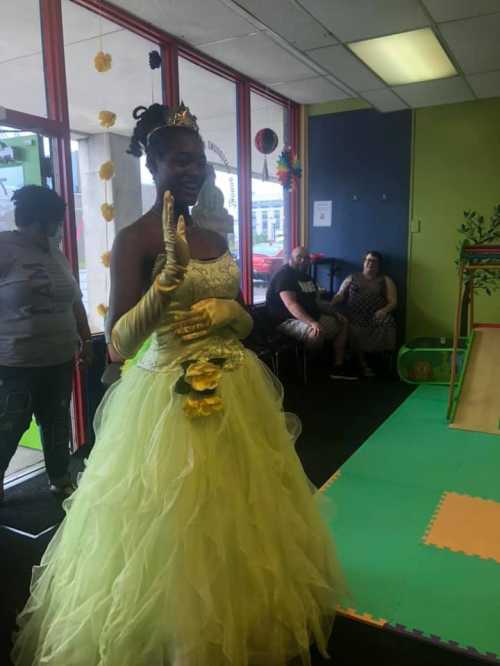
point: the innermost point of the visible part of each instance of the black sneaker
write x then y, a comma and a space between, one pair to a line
63, 488
340, 372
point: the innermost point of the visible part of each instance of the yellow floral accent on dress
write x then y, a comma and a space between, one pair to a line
195, 407
199, 383
102, 61
203, 376
106, 259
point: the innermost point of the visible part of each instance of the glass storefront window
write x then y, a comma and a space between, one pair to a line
21, 59
270, 223
129, 83
24, 160
212, 99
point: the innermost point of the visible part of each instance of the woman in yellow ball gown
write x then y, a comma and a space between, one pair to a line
194, 538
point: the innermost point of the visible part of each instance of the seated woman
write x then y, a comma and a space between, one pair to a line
369, 298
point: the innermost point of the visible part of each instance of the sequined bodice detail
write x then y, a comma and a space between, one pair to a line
217, 278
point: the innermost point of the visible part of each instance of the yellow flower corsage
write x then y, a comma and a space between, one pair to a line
203, 376
199, 382
106, 259
195, 407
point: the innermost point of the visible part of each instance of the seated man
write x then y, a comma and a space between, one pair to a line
294, 304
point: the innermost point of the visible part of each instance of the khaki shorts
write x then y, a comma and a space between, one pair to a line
298, 330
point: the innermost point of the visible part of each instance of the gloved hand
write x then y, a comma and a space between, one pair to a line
177, 254
136, 325
210, 315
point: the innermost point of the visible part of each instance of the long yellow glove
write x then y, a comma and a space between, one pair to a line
136, 325
211, 314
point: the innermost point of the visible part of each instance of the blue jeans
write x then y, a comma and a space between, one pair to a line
45, 393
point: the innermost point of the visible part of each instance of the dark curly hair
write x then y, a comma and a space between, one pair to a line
33, 203
375, 254
159, 143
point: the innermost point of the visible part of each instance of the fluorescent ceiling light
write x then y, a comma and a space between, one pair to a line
407, 57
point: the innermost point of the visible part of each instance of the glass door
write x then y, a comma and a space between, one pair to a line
25, 159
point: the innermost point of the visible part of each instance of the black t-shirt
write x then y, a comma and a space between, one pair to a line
288, 279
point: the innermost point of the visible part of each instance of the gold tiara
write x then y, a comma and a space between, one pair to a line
177, 116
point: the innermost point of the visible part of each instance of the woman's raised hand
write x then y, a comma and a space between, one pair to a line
176, 248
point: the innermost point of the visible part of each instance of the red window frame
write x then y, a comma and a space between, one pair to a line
56, 126
173, 47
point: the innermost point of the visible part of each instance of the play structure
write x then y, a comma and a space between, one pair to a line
416, 508
470, 361
474, 395
428, 360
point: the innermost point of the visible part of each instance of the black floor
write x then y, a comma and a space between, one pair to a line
337, 418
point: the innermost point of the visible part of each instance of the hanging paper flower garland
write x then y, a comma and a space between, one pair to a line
102, 309
108, 211
102, 61
107, 119
154, 59
266, 141
288, 169
107, 170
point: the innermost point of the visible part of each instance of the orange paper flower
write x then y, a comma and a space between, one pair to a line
102, 309
107, 170
107, 118
102, 61
107, 211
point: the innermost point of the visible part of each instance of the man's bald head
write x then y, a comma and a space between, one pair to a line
299, 258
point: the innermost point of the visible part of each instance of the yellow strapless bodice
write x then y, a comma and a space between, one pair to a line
217, 278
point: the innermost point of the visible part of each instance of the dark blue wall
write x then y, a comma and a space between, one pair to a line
360, 160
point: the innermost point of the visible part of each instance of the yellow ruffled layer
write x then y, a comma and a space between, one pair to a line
193, 539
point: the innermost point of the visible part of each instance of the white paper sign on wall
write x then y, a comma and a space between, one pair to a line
322, 214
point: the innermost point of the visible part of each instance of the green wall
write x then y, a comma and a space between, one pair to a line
456, 166
28, 155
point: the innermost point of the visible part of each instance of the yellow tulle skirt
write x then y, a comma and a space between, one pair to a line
194, 542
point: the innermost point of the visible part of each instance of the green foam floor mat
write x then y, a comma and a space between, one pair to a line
415, 514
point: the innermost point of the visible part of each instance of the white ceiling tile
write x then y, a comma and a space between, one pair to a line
259, 57
343, 65
385, 100
486, 84
351, 20
432, 93
475, 42
291, 22
450, 10
311, 91
192, 20
80, 23
14, 41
